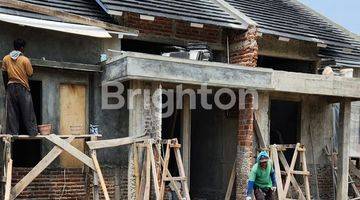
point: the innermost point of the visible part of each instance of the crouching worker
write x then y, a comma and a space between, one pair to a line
16, 68
262, 179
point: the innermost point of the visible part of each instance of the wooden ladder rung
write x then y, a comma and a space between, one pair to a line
305, 173
175, 179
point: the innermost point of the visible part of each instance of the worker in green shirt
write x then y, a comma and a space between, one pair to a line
262, 179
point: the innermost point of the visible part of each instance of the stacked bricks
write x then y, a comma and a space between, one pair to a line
59, 183
177, 29
244, 47
244, 149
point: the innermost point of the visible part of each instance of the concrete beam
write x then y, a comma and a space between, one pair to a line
174, 70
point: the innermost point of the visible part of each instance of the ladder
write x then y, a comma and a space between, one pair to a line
157, 164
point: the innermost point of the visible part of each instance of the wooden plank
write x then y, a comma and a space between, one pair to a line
116, 142
172, 182
96, 191
182, 173
291, 168
258, 132
7, 195
154, 173
34, 172
73, 119
231, 183
292, 178
147, 176
277, 172
63, 136
100, 175
72, 150
306, 178
65, 16
136, 169
142, 178
164, 173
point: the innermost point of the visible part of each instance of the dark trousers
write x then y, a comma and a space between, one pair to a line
263, 194
20, 110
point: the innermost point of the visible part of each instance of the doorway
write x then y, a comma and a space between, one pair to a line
27, 153
284, 122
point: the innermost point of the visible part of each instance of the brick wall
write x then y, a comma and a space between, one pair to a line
244, 47
165, 27
59, 183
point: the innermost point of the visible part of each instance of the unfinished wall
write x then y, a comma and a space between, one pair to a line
51, 45
213, 149
293, 49
244, 47
172, 31
316, 133
58, 183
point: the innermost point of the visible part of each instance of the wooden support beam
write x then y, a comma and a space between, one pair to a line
147, 175
292, 178
71, 150
231, 183
258, 132
343, 156
65, 16
95, 190
275, 157
154, 173
100, 175
34, 172
116, 142
9, 165
288, 173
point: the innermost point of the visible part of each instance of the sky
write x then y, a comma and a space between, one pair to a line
344, 12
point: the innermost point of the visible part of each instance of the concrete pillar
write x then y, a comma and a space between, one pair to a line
186, 135
244, 151
343, 152
144, 118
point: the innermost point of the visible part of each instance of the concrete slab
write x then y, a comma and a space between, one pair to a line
159, 68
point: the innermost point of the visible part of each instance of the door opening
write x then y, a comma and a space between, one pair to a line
285, 123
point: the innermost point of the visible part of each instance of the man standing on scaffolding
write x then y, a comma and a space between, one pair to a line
16, 69
262, 179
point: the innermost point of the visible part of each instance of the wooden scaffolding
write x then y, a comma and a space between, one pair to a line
62, 144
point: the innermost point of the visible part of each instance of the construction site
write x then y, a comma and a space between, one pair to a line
290, 74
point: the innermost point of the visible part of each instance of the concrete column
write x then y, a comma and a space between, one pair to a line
136, 127
244, 151
144, 118
186, 135
343, 154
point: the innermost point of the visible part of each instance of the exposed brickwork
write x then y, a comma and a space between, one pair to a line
325, 182
61, 184
173, 28
244, 48
244, 153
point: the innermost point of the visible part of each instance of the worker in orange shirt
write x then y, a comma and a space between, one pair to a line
16, 69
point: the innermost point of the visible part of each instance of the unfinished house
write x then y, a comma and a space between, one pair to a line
274, 51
